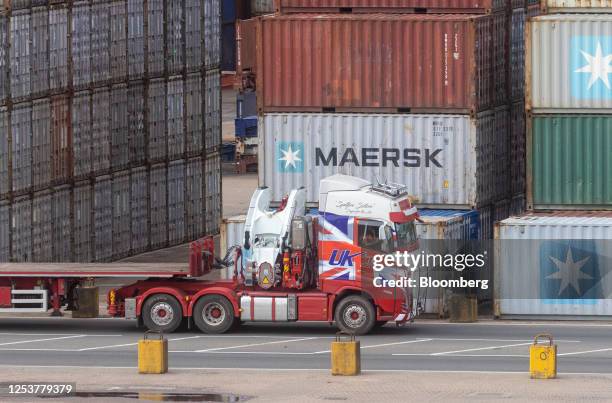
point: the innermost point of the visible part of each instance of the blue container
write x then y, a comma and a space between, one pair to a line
457, 224
246, 127
228, 152
228, 43
229, 11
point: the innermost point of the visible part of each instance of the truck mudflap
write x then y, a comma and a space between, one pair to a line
403, 318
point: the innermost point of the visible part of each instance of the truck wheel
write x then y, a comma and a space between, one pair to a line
213, 314
355, 315
162, 312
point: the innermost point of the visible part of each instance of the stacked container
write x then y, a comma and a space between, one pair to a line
109, 126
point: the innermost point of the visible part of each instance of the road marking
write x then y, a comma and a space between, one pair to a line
586, 352
255, 344
243, 352
482, 348
37, 340
382, 345
514, 323
500, 340
133, 344
58, 334
40, 349
460, 355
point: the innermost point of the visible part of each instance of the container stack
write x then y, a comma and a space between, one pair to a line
109, 127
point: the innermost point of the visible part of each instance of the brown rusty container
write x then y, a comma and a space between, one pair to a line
377, 62
388, 6
61, 138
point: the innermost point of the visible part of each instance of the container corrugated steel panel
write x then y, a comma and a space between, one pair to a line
372, 6
4, 63
360, 62
194, 124
570, 162
100, 43
155, 37
20, 55
42, 227
82, 133
58, 48
121, 214
517, 54
569, 42
232, 232
176, 202
100, 130
577, 6
518, 150
212, 110
118, 40
156, 103
82, 228
212, 34
81, 44
443, 159
39, 36
261, 7
193, 35
21, 230
16, 4
175, 118
501, 154
5, 185
212, 183
41, 143
5, 234
527, 251
139, 206
61, 138
120, 143
136, 121
103, 219
21, 149
175, 44
62, 224
194, 199
135, 39
159, 206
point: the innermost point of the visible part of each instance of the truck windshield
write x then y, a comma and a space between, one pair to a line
406, 234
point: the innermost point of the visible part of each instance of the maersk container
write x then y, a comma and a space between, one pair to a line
393, 62
443, 159
569, 162
155, 37
42, 227
135, 39
554, 265
58, 48
139, 205
136, 123
175, 115
194, 198
100, 130
577, 6
5, 234
100, 43
176, 202
120, 144
21, 148
381, 6
103, 219
212, 183
82, 133
62, 224
81, 44
21, 229
156, 104
41, 143
575, 44
39, 36
159, 206
212, 110
82, 227
121, 214
5, 184
20, 55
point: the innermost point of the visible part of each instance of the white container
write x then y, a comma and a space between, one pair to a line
554, 265
445, 160
578, 6
562, 70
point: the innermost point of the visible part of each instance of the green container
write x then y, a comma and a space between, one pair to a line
570, 162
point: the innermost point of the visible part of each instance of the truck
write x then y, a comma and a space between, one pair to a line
293, 265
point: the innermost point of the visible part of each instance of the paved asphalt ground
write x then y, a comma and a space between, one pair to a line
424, 345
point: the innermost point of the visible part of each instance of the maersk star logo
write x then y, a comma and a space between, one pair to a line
591, 66
599, 66
290, 157
569, 272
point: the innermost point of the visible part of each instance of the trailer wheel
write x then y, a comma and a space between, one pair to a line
355, 315
162, 312
213, 314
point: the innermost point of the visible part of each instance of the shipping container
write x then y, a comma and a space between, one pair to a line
194, 124
159, 206
517, 54
261, 7
176, 202
136, 122
175, 129
155, 37
135, 39
39, 36
4, 47
21, 229
21, 156
574, 44
139, 207
5, 179
212, 110
16, 4
231, 232
61, 138
62, 224
100, 43
121, 214
81, 44
397, 63
228, 47
118, 41
517, 151
102, 219
577, 6
5, 234
42, 227
100, 130
532, 254
212, 183
41, 143
156, 103
120, 143
570, 165
501, 162
212, 34
193, 35
194, 199
82, 134
20, 55
443, 159
380, 6
82, 228
58, 48
175, 44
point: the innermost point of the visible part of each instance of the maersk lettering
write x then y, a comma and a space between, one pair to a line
375, 157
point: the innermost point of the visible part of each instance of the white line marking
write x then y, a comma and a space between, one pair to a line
134, 344
382, 345
513, 323
243, 352
482, 348
586, 352
501, 340
37, 340
255, 344
460, 355
40, 349
58, 334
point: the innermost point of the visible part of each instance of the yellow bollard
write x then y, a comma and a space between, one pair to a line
153, 355
345, 357
543, 358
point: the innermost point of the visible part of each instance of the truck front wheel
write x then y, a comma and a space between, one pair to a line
355, 315
162, 312
213, 314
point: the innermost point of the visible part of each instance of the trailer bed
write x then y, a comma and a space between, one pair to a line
97, 270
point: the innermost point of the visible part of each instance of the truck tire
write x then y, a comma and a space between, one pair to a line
213, 314
162, 312
355, 315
